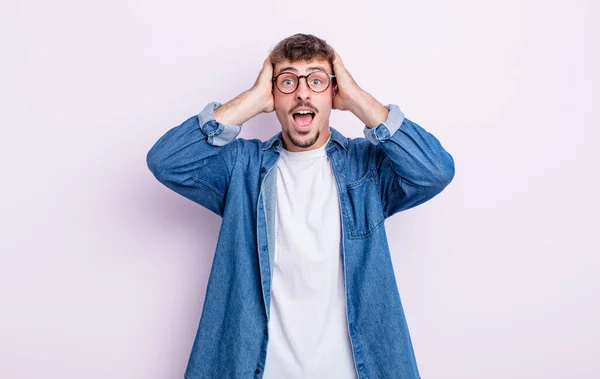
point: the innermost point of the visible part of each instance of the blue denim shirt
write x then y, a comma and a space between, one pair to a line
397, 166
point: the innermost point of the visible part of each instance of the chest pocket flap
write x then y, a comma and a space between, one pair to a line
364, 212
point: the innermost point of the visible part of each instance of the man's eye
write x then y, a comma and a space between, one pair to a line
288, 82
316, 81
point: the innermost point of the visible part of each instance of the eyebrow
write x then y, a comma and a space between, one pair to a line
290, 68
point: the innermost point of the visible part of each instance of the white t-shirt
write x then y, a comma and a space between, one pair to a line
308, 327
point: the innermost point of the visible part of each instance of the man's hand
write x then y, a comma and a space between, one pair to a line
252, 102
347, 90
264, 87
348, 96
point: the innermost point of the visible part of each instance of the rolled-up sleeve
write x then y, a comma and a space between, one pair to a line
412, 164
218, 134
197, 160
387, 128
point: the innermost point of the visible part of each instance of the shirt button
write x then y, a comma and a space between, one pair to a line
257, 371
262, 170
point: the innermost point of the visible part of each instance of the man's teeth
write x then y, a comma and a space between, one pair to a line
304, 112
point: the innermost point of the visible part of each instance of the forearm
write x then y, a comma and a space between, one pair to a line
239, 110
370, 111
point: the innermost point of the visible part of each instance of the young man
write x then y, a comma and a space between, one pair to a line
302, 283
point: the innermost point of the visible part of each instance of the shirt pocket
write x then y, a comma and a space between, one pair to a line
364, 212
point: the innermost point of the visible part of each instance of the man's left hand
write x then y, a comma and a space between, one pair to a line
348, 96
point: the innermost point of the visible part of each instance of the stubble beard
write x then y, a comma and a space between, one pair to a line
303, 143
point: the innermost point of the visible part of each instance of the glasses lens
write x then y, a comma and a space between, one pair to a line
287, 82
318, 81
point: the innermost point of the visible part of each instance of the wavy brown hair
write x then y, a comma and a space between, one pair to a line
302, 47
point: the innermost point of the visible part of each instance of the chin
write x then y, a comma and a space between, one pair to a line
304, 138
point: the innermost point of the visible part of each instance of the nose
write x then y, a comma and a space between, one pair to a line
303, 92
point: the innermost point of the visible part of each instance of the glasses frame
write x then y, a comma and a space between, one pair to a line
331, 79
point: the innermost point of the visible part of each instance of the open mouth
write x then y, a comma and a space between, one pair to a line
303, 119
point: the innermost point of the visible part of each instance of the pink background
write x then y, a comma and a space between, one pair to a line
103, 270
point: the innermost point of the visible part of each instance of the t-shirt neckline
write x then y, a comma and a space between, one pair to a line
306, 154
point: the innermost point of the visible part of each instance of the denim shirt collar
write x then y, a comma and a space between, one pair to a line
276, 140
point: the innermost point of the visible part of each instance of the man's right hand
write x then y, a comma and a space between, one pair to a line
250, 103
264, 86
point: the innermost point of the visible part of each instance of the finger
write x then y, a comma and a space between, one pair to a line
267, 69
338, 59
268, 64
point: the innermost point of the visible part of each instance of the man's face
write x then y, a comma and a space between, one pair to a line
296, 135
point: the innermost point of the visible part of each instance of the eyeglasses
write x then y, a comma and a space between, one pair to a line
318, 81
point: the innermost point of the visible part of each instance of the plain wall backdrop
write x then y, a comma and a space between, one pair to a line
103, 270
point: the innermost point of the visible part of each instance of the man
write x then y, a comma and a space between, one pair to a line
302, 283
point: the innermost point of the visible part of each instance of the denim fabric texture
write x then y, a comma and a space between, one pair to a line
397, 166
